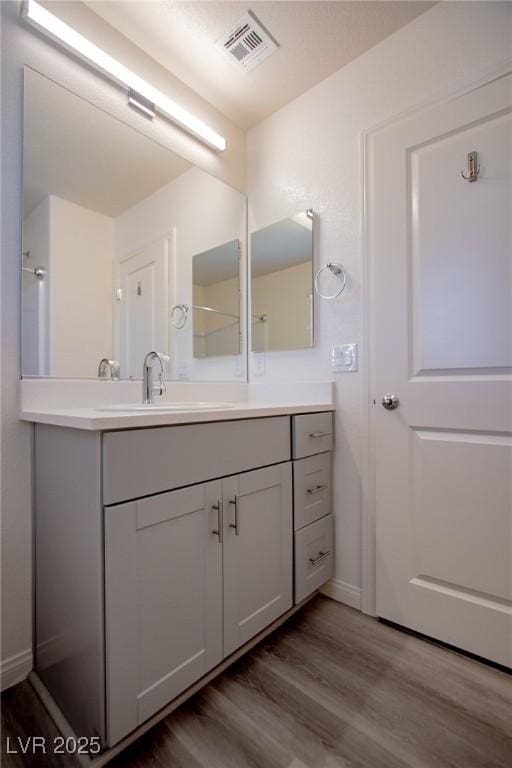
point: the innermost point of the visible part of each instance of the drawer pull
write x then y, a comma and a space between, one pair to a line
321, 556
319, 434
312, 491
236, 524
220, 520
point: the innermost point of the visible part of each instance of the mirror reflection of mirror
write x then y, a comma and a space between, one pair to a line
111, 222
282, 304
216, 297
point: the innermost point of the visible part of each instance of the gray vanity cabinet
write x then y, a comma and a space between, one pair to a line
179, 597
163, 601
161, 551
258, 553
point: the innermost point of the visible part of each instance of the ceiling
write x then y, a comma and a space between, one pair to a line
315, 38
76, 151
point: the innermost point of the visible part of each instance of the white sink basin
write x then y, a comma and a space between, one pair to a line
166, 407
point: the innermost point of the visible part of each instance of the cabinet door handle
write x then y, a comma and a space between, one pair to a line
319, 434
236, 524
220, 520
321, 556
317, 489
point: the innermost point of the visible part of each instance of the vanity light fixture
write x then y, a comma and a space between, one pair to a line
139, 102
141, 93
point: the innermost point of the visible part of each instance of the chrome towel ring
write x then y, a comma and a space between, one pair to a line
338, 271
179, 320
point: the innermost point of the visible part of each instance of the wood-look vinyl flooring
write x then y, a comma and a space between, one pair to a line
332, 688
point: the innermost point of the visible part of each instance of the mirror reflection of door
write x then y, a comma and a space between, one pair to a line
216, 301
282, 285
143, 299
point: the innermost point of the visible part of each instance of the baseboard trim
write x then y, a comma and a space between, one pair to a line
15, 669
343, 593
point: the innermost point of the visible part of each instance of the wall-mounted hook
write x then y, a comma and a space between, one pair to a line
473, 167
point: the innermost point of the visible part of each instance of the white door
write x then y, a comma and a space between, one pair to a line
144, 306
258, 557
441, 248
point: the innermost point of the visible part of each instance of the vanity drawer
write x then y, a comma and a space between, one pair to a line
313, 557
142, 462
311, 489
311, 433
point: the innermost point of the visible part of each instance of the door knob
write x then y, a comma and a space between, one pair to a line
390, 402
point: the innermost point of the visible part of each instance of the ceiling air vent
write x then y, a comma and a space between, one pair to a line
247, 43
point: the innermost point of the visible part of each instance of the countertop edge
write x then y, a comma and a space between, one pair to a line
91, 419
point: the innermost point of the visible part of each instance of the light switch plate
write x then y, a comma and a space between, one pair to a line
182, 369
344, 358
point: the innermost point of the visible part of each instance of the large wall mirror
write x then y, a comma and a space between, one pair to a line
282, 293
117, 230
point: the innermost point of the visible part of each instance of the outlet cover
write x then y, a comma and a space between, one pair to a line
258, 363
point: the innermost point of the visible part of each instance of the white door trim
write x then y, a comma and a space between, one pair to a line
368, 500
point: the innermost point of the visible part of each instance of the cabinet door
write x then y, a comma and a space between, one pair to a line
257, 553
163, 594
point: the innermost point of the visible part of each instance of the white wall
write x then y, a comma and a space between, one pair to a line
308, 154
22, 46
81, 289
217, 216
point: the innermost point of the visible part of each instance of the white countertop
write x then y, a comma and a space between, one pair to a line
95, 419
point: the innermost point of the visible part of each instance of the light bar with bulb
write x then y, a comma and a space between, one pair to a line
101, 60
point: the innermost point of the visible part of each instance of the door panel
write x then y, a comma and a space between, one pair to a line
455, 542
442, 336
144, 306
163, 601
460, 250
258, 561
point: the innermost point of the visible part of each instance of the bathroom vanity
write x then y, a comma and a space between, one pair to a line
162, 551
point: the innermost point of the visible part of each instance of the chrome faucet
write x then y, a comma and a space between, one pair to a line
108, 369
148, 386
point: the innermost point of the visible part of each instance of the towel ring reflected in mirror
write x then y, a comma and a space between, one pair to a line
179, 315
338, 271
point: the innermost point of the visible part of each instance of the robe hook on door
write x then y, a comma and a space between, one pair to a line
473, 167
